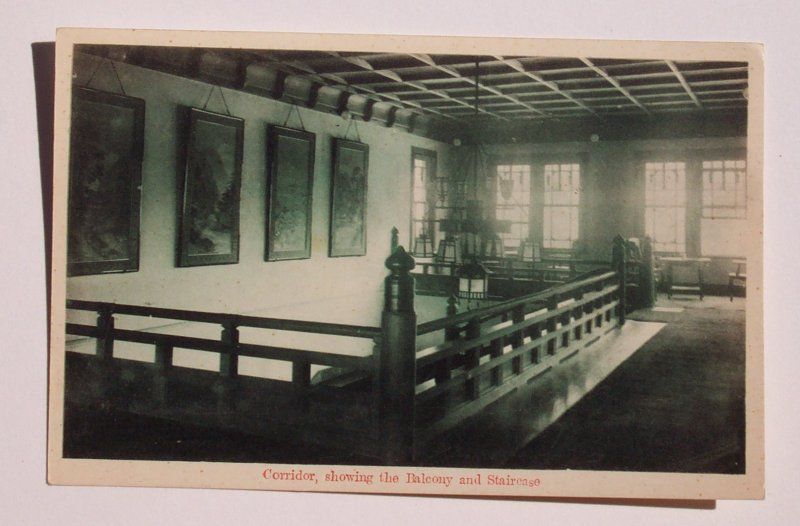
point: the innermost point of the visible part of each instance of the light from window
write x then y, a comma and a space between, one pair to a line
724, 189
665, 206
419, 210
514, 202
562, 184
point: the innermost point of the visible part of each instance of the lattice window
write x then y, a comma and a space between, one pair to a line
419, 210
724, 189
514, 202
665, 205
562, 192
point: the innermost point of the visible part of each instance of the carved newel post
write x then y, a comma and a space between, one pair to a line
648, 281
397, 361
619, 254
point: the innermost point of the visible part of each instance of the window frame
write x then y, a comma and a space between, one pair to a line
529, 206
572, 206
724, 159
663, 160
430, 157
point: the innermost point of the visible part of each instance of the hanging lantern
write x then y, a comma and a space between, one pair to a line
470, 243
493, 247
530, 251
423, 246
473, 281
449, 253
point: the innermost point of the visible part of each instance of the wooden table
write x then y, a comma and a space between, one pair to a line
680, 286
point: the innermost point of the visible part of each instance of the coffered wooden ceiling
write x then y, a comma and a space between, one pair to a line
444, 87
511, 87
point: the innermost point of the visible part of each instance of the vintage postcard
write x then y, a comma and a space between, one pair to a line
413, 265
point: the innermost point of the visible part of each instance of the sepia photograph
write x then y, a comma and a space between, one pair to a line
468, 266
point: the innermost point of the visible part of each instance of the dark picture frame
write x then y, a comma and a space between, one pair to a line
209, 186
348, 211
105, 174
290, 174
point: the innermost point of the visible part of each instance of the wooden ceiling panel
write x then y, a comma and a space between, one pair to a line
509, 87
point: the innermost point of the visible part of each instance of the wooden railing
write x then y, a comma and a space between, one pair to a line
507, 277
489, 352
228, 345
413, 395
339, 409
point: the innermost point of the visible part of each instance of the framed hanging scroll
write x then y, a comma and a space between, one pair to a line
348, 222
104, 182
209, 183
290, 155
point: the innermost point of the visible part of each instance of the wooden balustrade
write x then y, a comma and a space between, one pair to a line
484, 354
507, 276
489, 357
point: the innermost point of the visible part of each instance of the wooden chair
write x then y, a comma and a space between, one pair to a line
685, 275
738, 279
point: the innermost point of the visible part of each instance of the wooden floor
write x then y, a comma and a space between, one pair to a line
677, 405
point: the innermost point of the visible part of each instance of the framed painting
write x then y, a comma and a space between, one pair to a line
290, 155
209, 182
348, 222
106, 147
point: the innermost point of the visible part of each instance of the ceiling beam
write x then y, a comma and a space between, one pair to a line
426, 59
517, 66
683, 82
390, 74
614, 83
513, 80
326, 79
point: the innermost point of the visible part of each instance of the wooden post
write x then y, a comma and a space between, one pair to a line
445, 366
301, 374
618, 258
228, 369
229, 362
496, 351
648, 281
105, 326
552, 322
163, 363
472, 359
395, 240
517, 338
301, 380
396, 363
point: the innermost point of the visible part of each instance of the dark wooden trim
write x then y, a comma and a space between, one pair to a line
334, 329
528, 372
363, 363
494, 310
457, 346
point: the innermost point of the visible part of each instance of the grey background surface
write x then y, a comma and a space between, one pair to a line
24, 496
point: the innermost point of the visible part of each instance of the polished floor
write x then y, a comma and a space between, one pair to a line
677, 405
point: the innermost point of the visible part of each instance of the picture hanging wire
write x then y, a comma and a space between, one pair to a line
352, 121
222, 95
113, 68
289, 115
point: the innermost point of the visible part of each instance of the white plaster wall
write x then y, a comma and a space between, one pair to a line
253, 285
